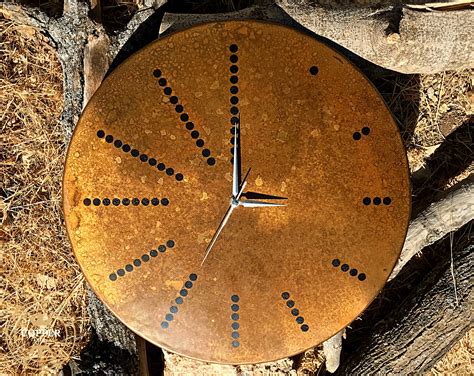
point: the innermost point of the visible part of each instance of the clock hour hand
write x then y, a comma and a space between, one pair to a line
261, 196
257, 204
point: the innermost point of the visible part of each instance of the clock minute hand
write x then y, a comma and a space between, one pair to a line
236, 161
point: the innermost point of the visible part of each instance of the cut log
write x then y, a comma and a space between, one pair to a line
421, 329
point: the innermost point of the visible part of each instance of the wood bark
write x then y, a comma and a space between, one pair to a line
422, 328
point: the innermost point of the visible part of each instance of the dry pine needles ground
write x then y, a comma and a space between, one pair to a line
41, 285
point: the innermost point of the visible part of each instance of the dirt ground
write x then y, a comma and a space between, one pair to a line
44, 308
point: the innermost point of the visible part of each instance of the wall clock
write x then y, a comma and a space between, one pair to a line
164, 148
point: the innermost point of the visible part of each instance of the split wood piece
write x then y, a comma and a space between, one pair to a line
424, 326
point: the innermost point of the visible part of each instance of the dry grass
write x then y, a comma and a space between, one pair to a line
41, 285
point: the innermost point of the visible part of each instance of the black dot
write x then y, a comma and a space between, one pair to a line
290, 303
234, 298
189, 125
234, 89
235, 344
157, 73
234, 100
362, 277
135, 153
155, 201
174, 99
313, 70
109, 138
153, 253
206, 153
179, 177
121, 272
143, 157
179, 108
173, 309
87, 201
116, 202
125, 201
169, 317
295, 312
183, 292
135, 201
126, 148
345, 267
128, 268
353, 272
184, 117
193, 277
161, 166
233, 58
211, 161
387, 200
365, 131
234, 307
194, 134
336, 263
152, 161
304, 328
145, 201
161, 248
101, 134
145, 258
300, 320
200, 143
96, 201
235, 325
162, 82
165, 201
113, 277
167, 90
235, 316
366, 200
118, 143
377, 200
170, 243
356, 136
285, 295
234, 110
137, 262
179, 300
235, 334
234, 79
164, 324
234, 120
234, 69
106, 201
169, 171
233, 48
188, 284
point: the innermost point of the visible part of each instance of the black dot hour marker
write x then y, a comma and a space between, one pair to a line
376, 201
106, 202
365, 131
157, 73
235, 316
167, 90
109, 138
233, 48
179, 300
353, 272
233, 58
345, 267
125, 201
127, 148
358, 135
87, 201
294, 311
162, 82
314, 70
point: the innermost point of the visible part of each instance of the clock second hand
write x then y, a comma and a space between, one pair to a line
233, 204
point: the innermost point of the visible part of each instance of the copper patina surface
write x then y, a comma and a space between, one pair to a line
148, 179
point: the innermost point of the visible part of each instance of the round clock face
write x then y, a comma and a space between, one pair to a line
150, 177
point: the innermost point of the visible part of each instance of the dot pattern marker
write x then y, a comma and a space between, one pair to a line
135, 201
353, 272
169, 317
234, 99
376, 201
184, 117
235, 342
313, 70
294, 311
126, 148
136, 263
363, 132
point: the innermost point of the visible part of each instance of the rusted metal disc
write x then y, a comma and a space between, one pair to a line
148, 180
